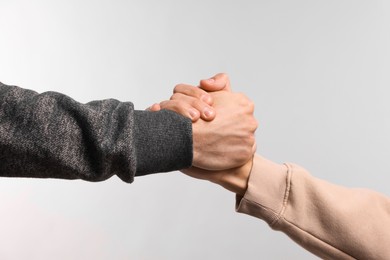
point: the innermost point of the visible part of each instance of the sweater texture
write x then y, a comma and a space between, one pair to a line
50, 135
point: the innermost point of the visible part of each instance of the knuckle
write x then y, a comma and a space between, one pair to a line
251, 106
254, 124
250, 140
163, 104
244, 100
257, 124
197, 92
177, 105
177, 88
250, 144
176, 96
196, 103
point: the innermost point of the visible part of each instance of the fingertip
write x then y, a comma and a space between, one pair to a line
155, 107
208, 114
222, 79
216, 83
194, 114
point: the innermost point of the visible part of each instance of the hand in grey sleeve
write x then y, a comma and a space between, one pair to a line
50, 135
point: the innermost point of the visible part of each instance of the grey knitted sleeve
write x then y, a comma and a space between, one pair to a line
50, 135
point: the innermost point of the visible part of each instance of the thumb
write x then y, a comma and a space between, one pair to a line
218, 82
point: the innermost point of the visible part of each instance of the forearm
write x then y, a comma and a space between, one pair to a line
332, 222
50, 135
234, 180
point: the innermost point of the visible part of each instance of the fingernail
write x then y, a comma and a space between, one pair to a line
211, 80
193, 113
207, 112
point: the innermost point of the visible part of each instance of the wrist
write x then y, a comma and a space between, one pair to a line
235, 180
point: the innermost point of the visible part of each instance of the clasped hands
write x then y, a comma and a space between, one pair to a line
223, 131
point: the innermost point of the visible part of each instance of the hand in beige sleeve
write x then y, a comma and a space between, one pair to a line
331, 221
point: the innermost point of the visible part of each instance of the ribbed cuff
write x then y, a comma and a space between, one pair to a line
265, 197
163, 141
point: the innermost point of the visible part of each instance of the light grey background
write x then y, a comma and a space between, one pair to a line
318, 72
